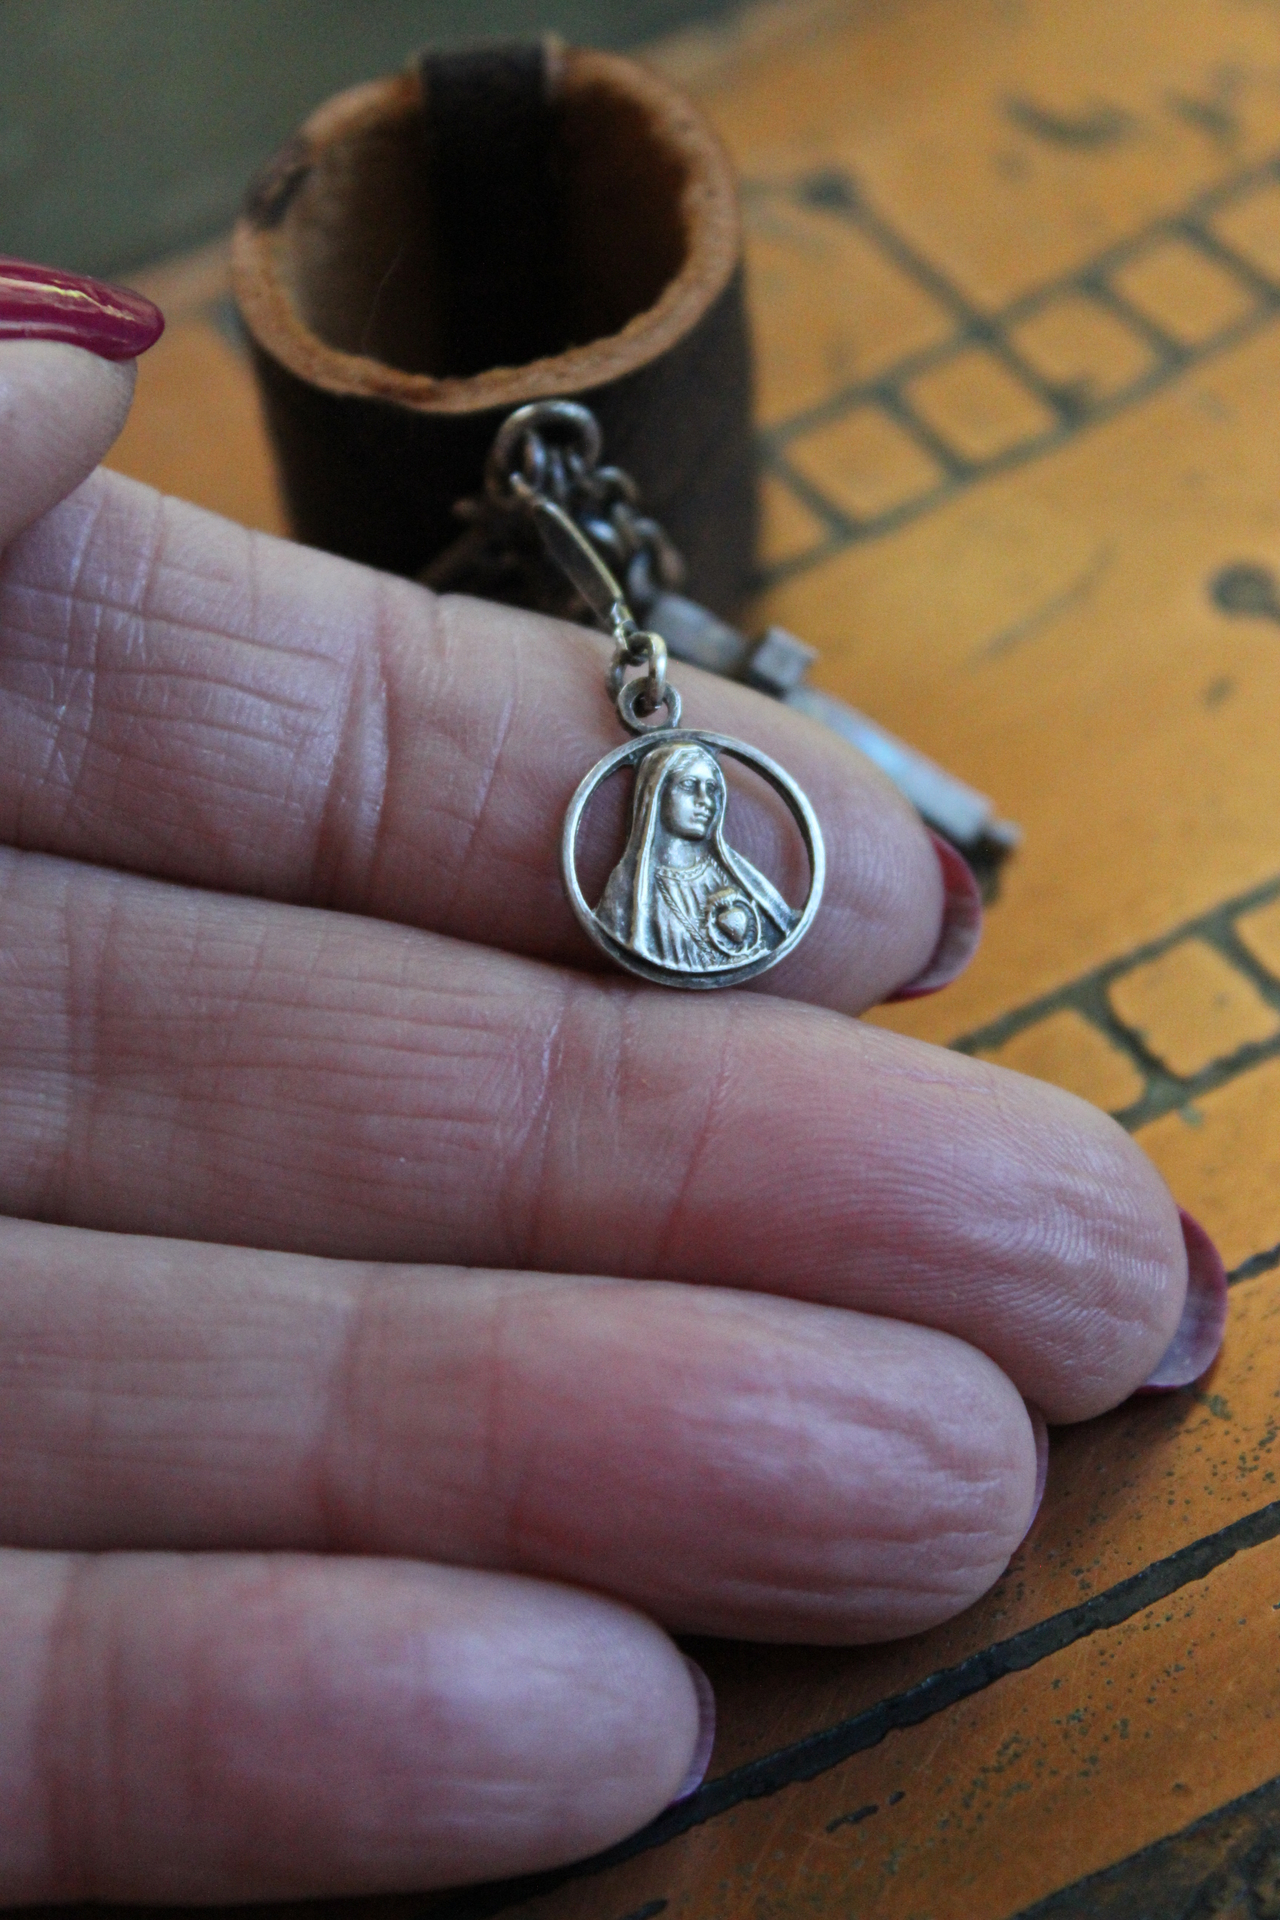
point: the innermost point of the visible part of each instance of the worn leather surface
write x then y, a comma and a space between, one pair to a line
494, 191
496, 227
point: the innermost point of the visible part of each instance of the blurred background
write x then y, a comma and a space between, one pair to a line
129, 128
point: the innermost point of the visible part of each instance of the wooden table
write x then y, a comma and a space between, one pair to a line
1016, 284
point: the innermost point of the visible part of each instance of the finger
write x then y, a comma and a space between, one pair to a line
188, 699
181, 1063
60, 409
726, 1462
225, 1728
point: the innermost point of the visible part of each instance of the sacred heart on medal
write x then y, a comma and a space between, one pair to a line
682, 907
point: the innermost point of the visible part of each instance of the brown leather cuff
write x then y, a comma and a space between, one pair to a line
441, 246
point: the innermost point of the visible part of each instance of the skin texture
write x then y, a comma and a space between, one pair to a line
406, 1325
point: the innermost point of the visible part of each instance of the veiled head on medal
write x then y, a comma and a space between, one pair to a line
682, 904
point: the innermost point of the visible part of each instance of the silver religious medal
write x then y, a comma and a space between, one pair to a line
682, 907
547, 498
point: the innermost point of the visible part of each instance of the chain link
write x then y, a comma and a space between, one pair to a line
554, 447
635, 648
545, 462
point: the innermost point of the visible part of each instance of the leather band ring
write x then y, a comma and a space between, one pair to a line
438, 247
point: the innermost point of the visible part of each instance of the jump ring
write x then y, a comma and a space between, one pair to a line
551, 420
635, 648
616, 677
655, 681
647, 722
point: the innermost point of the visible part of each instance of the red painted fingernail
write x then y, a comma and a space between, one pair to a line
1040, 1428
961, 924
41, 303
1195, 1344
706, 1733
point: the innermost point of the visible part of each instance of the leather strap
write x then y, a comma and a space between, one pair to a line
571, 231
488, 126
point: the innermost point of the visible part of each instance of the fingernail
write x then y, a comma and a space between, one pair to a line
706, 1733
961, 924
41, 303
1204, 1317
1040, 1428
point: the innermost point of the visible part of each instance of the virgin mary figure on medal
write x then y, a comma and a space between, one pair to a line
681, 897
682, 907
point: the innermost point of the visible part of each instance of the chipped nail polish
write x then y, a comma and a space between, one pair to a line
42, 303
706, 1733
961, 925
1040, 1428
1199, 1333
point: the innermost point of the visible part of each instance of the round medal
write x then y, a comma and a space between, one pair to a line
682, 907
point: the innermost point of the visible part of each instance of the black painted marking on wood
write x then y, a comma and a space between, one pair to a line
1030, 625
1098, 126
1264, 286
837, 194
1225, 1863
1164, 1091
819, 1753
1265, 1262
1210, 117
853, 1819
1246, 590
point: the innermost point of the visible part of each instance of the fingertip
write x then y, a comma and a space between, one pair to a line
351, 1727
940, 1499
61, 407
1082, 1302
1003, 1442
644, 1732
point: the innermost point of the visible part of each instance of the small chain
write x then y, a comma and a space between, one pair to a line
554, 446
545, 460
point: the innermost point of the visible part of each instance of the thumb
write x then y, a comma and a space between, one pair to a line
67, 348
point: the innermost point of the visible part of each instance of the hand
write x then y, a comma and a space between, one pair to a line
404, 1326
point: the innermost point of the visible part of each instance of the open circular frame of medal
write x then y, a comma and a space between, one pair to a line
796, 803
